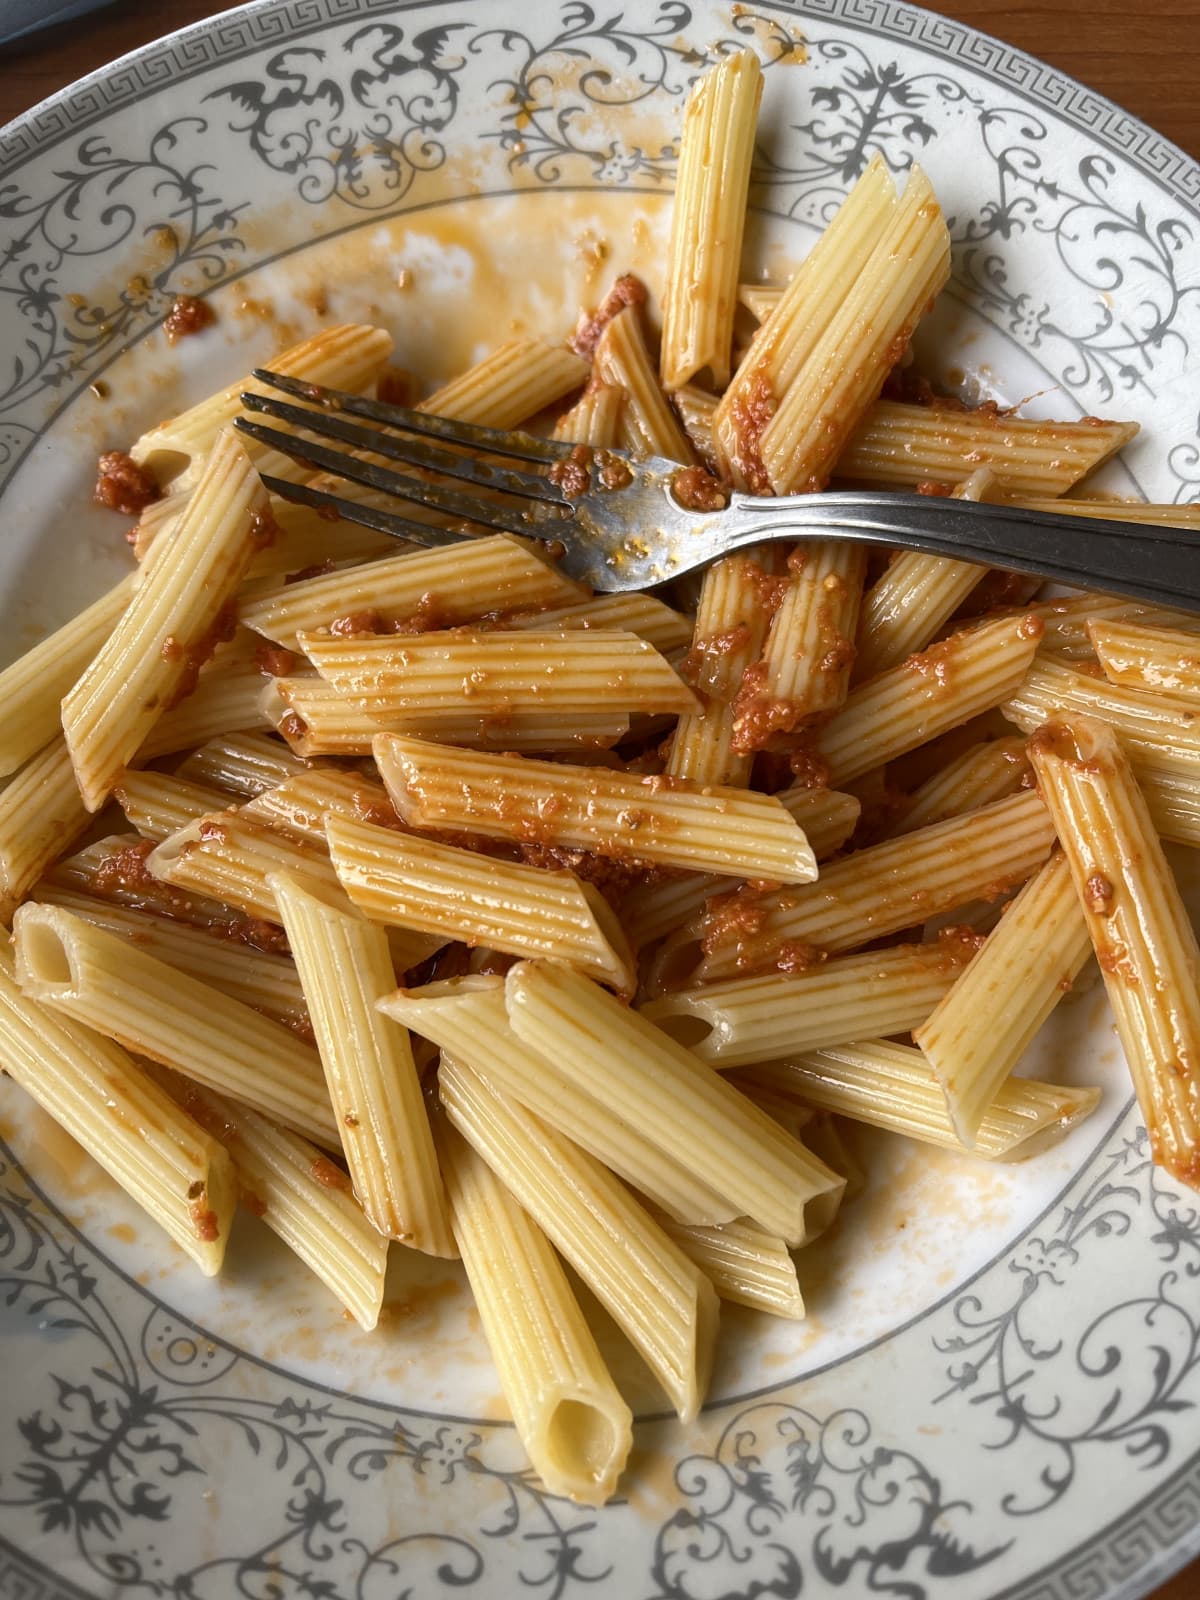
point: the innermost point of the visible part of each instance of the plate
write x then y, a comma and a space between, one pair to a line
994, 1392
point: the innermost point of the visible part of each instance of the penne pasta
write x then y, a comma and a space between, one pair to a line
844, 371
1159, 731
512, 384
881, 890
658, 1299
230, 857
696, 409
1138, 925
906, 607
1066, 619
1174, 804
41, 815
595, 418
892, 1086
349, 357
785, 342
648, 426
711, 186
454, 585
156, 804
593, 1046
106, 983
227, 698
114, 870
898, 446
879, 992
760, 299
723, 830
33, 686
180, 1177
1141, 657
982, 1027
259, 978
985, 772
412, 882
650, 619
411, 682
805, 667
170, 622
576, 1429
744, 1264
1169, 516
345, 967
941, 688
302, 803
244, 763
303, 1197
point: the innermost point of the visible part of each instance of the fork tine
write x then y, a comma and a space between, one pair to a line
367, 516
468, 508
414, 452
491, 441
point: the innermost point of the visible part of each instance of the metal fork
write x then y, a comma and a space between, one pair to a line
616, 523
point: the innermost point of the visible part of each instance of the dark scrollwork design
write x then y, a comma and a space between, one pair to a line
784, 1488
102, 198
1059, 1390
360, 126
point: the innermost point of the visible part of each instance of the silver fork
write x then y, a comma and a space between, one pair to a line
616, 523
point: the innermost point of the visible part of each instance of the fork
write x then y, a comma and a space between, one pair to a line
617, 523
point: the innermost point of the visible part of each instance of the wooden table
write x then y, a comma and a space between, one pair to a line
1142, 56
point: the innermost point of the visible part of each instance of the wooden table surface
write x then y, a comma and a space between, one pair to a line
1141, 55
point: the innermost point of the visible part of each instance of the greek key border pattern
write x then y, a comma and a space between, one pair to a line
1142, 1547
265, 24
22, 1578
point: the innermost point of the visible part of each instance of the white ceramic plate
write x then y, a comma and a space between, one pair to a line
994, 1393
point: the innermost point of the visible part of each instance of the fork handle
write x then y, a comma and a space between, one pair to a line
1145, 562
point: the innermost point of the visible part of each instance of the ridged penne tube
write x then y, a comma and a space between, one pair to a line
160, 517
989, 771
893, 1086
806, 661
982, 1026
844, 373
245, 763
786, 340
513, 383
576, 1428
697, 408
257, 978
412, 882
879, 891
656, 1296
304, 1198
943, 687
743, 1020
733, 614
906, 606
114, 870
346, 967
642, 614
760, 299
302, 803
104, 982
411, 681
1138, 925
897, 446
592, 1044
652, 910
316, 719
1139, 657
1066, 620
711, 185
460, 1015
595, 418
460, 584
648, 426
157, 804
303, 537
1145, 512
740, 833
744, 1264
348, 357
32, 687
179, 1176
143, 664
41, 815
227, 699
1174, 803
1159, 731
